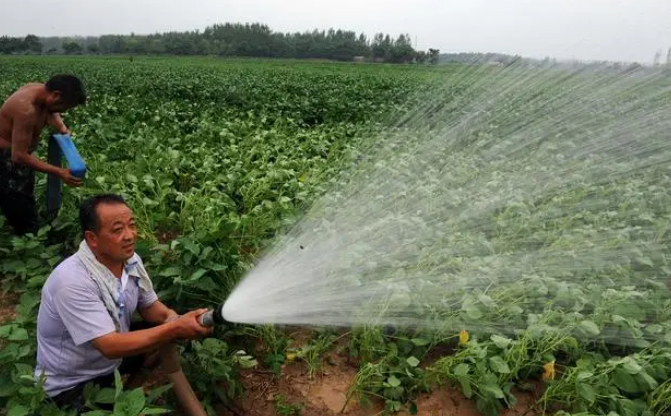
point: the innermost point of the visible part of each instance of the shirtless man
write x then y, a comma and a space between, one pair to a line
22, 117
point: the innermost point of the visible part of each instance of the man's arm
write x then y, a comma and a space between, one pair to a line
21, 138
56, 122
158, 313
118, 345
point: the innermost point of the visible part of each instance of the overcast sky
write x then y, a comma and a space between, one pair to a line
626, 30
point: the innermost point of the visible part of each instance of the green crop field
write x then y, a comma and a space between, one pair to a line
217, 157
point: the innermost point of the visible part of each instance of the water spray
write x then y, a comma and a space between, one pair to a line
506, 196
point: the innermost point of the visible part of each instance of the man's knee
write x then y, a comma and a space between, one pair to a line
169, 358
21, 212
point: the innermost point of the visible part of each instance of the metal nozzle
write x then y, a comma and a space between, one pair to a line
213, 317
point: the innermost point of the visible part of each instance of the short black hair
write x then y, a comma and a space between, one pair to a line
70, 87
88, 214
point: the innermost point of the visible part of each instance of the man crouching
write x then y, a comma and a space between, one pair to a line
84, 330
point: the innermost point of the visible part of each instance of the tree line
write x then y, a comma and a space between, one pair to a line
235, 39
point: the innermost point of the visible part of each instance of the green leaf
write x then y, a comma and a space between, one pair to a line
473, 311
632, 367
171, 271
486, 300
624, 381
499, 365
18, 334
24, 369
7, 387
198, 274
204, 283
515, 310
5, 330
155, 411
105, 396
465, 383
583, 375
586, 392
493, 389
192, 247
18, 410
118, 385
419, 342
33, 263
157, 392
461, 369
500, 342
646, 381
130, 403
589, 328
218, 267
646, 261
412, 361
206, 252
393, 381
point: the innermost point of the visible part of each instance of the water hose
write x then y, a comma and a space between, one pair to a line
213, 317
61, 145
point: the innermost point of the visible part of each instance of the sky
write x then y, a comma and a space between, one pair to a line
616, 30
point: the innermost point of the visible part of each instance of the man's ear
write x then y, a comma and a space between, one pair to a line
54, 96
91, 239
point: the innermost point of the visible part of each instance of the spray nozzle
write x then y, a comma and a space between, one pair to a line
213, 317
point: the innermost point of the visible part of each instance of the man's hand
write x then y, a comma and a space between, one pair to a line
188, 327
69, 179
56, 121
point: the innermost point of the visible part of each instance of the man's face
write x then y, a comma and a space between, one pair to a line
115, 240
54, 103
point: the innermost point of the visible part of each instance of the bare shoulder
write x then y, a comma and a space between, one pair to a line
20, 105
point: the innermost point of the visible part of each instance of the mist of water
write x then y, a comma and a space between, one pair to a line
504, 194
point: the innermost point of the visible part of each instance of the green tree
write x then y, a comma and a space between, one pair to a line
32, 44
72, 47
236, 39
434, 56
11, 45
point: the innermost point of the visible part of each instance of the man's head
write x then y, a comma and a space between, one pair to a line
64, 92
109, 227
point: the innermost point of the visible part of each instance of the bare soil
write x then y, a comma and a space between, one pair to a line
8, 302
325, 394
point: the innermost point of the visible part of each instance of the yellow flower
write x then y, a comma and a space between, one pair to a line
549, 371
463, 337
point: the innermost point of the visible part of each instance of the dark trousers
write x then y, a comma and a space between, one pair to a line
131, 366
74, 398
17, 195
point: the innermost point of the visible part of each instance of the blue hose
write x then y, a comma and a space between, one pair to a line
61, 145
